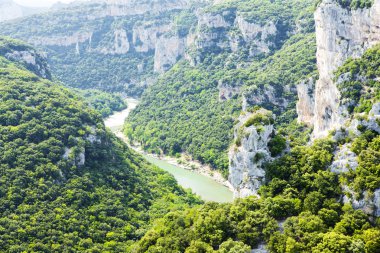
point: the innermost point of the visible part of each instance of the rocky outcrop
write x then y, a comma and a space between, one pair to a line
32, 60
66, 40
344, 160
369, 203
341, 33
227, 91
371, 122
260, 37
261, 248
267, 95
121, 42
306, 101
145, 37
249, 153
231, 32
167, 53
26, 56
136, 7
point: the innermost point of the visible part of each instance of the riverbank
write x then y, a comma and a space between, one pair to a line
116, 122
184, 162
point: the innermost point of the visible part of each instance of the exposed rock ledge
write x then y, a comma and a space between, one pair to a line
249, 153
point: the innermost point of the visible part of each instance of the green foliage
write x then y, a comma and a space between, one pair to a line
66, 184
276, 145
353, 4
260, 118
360, 88
367, 174
231, 246
304, 170
103, 102
263, 11
205, 228
181, 113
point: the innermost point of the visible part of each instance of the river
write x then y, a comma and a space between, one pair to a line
204, 186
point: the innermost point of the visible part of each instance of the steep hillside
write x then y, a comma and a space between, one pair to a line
110, 45
66, 184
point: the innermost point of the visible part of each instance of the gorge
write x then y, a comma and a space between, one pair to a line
277, 99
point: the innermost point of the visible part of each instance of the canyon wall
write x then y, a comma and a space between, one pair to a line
341, 33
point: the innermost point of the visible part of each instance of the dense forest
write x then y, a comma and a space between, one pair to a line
103, 102
67, 184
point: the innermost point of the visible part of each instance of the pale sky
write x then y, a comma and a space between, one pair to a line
40, 3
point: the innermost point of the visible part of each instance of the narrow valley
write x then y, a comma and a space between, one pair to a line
204, 186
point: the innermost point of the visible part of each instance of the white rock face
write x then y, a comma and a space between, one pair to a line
263, 96
145, 37
121, 42
168, 51
137, 7
371, 122
260, 249
258, 35
306, 101
30, 59
210, 20
73, 39
226, 91
27, 57
344, 160
341, 34
214, 32
246, 160
376, 201
369, 204
81, 159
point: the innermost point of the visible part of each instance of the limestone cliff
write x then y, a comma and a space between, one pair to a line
138, 7
306, 101
341, 33
250, 152
228, 31
25, 55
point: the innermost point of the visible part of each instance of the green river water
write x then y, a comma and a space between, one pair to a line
205, 187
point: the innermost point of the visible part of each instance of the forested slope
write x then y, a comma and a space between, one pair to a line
66, 184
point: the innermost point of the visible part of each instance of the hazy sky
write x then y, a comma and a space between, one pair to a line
40, 3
